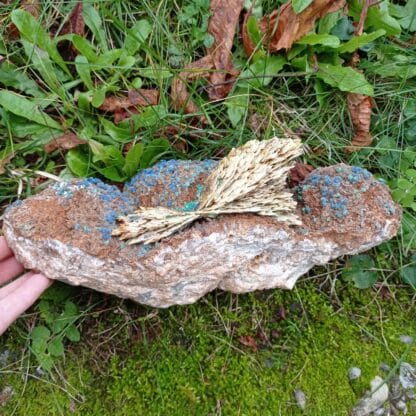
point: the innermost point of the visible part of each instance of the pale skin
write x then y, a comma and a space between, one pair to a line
18, 295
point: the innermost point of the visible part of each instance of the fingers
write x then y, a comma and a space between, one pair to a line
24, 295
9, 268
11, 287
4, 249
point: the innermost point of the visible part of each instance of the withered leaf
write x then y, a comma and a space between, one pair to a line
360, 107
4, 161
135, 98
249, 341
222, 26
283, 26
299, 173
179, 93
75, 23
65, 142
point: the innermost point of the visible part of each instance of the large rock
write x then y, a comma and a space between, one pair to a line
65, 232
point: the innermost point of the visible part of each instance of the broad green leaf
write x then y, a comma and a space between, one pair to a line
260, 73
300, 5
149, 117
78, 162
112, 173
45, 310
136, 36
40, 336
70, 309
121, 133
93, 21
327, 22
72, 333
106, 60
357, 270
345, 79
132, 162
408, 272
28, 109
56, 348
98, 97
84, 47
12, 76
237, 105
153, 151
378, 16
254, 31
343, 29
315, 39
83, 68
407, 14
359, 41
51, 75
31, 30
320, 92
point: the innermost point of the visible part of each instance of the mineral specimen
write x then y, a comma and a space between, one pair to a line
65, 232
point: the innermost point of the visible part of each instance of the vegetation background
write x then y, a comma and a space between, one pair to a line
67, 70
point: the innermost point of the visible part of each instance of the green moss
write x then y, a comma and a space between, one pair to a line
198, 366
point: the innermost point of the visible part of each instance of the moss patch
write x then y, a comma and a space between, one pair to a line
195, 363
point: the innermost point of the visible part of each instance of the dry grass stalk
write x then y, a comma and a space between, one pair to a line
251, 179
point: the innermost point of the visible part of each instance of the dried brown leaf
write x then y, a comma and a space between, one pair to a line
222, 26
283, 27
5, 161
299, 173
75, 23
65, 142
249, 341
360, 109
135, 98
179, 93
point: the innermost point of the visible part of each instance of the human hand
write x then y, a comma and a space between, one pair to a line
20, 294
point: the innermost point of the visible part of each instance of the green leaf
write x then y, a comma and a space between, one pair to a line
136, 36
345, 79
261, 72
83, 68
95, 24
237, 105
300, 5
359, 41
343, 29
28, 109
407, 15
56, 348
98, 97
357, 270
378, 16
112, 173
70, 309
12, 76
121, 133
153, 151
324, 39
155, 73
45, 309
40, 336
408, 272
78, 162
31, 30
132, 161
327, 22
84, 47
72, 333
253, 31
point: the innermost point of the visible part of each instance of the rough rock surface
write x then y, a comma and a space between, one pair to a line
65, 232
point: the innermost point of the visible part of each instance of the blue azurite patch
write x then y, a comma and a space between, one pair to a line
174, 177
329, 188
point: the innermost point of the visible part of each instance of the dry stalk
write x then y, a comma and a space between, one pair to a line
251, 179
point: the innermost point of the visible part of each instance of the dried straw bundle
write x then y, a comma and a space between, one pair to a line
251, 179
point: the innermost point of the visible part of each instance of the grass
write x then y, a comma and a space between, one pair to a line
193, 359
